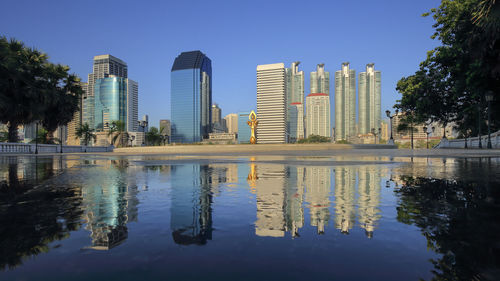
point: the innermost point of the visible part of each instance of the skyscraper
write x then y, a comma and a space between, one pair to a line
295, 100
320, 80
132, 105
271, 103
244, 131
191, 97
216, 113
104, 66
318, 114
345, 103
75, 123
232, 123
369, 93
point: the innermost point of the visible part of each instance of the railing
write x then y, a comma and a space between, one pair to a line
471, 142
28, 148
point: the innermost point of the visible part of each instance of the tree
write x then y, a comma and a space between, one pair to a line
32, 88
118, 132
85, 133
314, 139
153, 137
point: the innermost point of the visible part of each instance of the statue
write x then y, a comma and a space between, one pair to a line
253, 125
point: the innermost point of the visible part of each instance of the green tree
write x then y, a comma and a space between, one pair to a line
85, 133
118, 133
153, 137
32, 88
314, 139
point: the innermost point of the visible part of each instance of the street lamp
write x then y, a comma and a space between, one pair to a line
374, 132
426, 130
388, 113
489, 99
36, 137
61, 138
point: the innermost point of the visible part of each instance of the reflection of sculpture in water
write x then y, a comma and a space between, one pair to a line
253, 125
318, 186
369, 198
345, 181
191, 210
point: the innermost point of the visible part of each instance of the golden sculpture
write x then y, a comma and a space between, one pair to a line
253, 125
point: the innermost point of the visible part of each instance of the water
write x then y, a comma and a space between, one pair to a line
249, 218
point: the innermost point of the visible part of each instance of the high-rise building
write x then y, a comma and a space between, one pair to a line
191, 97
318, 114
232, 123
77, 120
104, 66
216, 113
271, 104
369, 93
244, 131
132, 105
295, 100
345, 103
320, 80
110, 102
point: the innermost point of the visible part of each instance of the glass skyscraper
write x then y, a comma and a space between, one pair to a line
110, 102
191, 97
244, 131
369, 94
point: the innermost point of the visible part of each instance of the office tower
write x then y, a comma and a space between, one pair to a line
369, 93
320, 80
295, 100
132, 105
104, 66
271, 103
345, 103
110, 97
77, 119
191, 97
232, 123
244, 131
318, 115
317, 182
165, 127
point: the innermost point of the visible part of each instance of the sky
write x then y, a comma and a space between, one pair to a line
236, 35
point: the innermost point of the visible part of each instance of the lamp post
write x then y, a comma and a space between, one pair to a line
36, 137
388, 113
427, 132
374, 132
489, 99
61, 138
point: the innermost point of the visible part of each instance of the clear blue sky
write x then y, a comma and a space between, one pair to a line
236, 35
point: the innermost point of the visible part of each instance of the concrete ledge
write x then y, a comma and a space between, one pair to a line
245, 148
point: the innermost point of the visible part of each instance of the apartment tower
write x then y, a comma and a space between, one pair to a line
369, 94
345, 103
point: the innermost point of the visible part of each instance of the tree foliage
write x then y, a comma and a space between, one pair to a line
315, 139
118, 133
451, 84
153, 137
32, 88
85, 133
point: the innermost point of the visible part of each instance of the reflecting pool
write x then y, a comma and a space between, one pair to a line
249, 218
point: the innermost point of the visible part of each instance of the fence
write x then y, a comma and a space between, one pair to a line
28, 148
471, 142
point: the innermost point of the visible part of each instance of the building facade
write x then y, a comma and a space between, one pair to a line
295, 95
132, 105
320, 80
271, 104
77, 119
110, 102
369, 95
318, 114
244, 131
103, 67
191, 97
345, 103
232, 123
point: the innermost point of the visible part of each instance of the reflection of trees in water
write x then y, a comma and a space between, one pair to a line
459, 220
33, 218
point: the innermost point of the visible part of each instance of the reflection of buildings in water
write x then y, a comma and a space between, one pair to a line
369, 198
191, 211
110, 204
270, 200
345, 181
294, 194
317, 183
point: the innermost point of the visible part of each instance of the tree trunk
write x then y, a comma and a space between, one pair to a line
12, 136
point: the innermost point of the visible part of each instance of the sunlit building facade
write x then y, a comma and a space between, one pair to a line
191, 97
244, 131
369, 95
295, 96
345, 103
318, 115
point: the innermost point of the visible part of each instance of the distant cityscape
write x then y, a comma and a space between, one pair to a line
285, 114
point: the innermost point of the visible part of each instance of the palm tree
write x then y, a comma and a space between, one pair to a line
118, 132
84, 132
